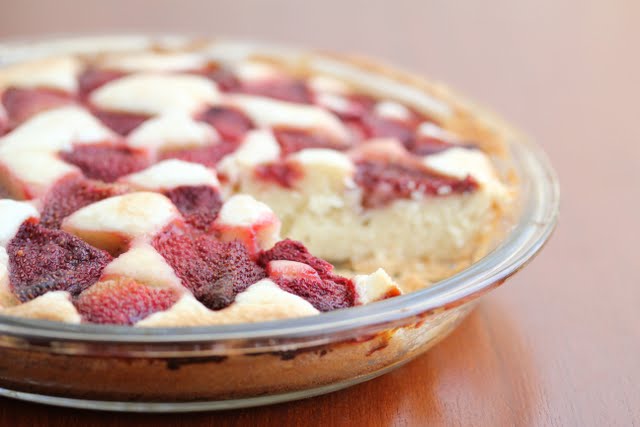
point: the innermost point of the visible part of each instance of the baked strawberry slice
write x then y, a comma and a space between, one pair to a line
284, 89
283, 173
292, 267
292, 250
72, 193
232, 270
292, 140
214, 271
230, 123
224, 78
199, 205
327, 294
208, 156
23, 103
384, 182
123, 301
43, 260
121, 123
92, 78
106, 162
290, 270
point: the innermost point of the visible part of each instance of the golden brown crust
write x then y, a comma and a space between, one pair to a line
185, 379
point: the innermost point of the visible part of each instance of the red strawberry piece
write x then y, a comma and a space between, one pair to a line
423, 146
293, 140
359, 106
178, 248
384, 182
199, 205
324, 295
373, 126
292, 267
282, 173
43, 260
224, 78
302, 280
121, 123
290, 270
71, 194
284, 89
22, 103
292, 250
106, 162
92, 78
123, 301
230, 123
232, 268
208, 156
214, 271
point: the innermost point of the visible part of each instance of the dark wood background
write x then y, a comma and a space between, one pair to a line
559, 344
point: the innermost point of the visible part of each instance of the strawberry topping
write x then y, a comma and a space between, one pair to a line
21, 103
92, 78
199, 205
284, 89
292, 250
384, 182
292, 140
71, 194
43, 260
121, 123
214, 271
230, 123
106, 162
295, 270
122, 302
208, 156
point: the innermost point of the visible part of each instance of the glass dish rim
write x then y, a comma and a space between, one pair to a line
536, 222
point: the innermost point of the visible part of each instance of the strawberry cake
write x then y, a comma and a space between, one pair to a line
205, 186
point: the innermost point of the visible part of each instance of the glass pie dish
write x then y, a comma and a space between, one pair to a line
233, 366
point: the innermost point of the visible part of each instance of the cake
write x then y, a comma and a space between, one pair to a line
205, 186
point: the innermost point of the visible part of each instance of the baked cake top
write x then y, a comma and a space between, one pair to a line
119, 171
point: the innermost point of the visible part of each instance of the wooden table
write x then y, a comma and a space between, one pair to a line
559, 344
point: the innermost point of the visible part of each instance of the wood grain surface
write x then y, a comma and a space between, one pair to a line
559, 344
